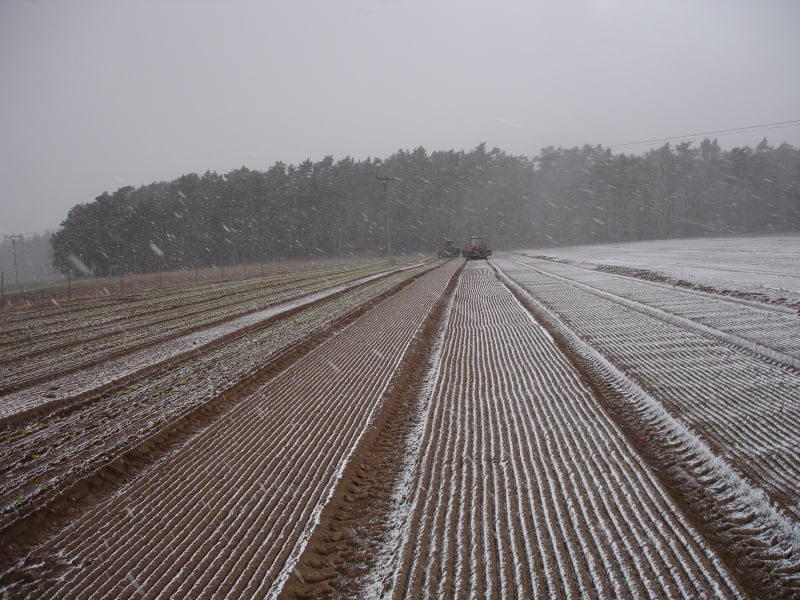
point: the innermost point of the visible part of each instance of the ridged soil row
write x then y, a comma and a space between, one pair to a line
229, 513
45, 456
524, 487
772, 325
758, 543
354, 528
52, 326
50, 330
87, 337
742, 404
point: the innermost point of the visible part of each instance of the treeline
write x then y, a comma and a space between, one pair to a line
326, 208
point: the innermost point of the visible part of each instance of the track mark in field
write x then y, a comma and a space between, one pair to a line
345, 546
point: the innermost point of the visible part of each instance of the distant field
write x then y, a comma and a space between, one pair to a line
63, 289
768, 265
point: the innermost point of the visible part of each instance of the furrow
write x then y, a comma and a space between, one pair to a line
553, 512
206, 499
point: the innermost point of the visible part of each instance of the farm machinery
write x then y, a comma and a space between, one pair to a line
447, 250
477, 248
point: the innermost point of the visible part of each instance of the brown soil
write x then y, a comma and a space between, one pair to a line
81, 488
342, 549
535, 474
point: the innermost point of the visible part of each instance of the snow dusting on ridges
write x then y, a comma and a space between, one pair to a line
760, 541
61, 390
524, 487
769, 329
38, 344
43, 456
742, 404
764, 267
229, 513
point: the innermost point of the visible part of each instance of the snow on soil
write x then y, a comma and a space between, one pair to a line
523, 487
734, 388
44, 455
228, 514
766, 329
379, 579
518, 480
768, 265
780, 529
95, 377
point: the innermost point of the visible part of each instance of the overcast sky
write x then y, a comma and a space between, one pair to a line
99, 94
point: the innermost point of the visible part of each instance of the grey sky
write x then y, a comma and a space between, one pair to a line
95, 95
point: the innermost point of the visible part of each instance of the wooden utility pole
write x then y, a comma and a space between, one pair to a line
14, 239
385, 180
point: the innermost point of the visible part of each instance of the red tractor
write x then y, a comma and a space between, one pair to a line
476, 248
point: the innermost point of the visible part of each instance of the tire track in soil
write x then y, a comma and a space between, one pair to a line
240, 523
544, 549
47, 516
342, 549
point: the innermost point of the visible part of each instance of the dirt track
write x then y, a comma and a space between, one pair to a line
443, 444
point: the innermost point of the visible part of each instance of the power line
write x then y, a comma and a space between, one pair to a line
775, 125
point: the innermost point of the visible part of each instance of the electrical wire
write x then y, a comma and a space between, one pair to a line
776, 125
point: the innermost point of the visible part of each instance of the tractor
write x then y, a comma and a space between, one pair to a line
477, 248
447, 250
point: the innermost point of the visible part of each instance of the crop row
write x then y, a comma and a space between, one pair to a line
743, 404
524, 487
229, 512
84, 340
106, 310
40, 457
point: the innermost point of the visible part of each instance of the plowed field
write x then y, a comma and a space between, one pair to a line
531, 426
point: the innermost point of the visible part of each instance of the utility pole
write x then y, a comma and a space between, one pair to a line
14, 239
385, 180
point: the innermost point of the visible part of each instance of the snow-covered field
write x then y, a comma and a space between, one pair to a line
525, 487
604, 421
765, 265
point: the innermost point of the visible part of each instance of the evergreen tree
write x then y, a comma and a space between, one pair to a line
562, 196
